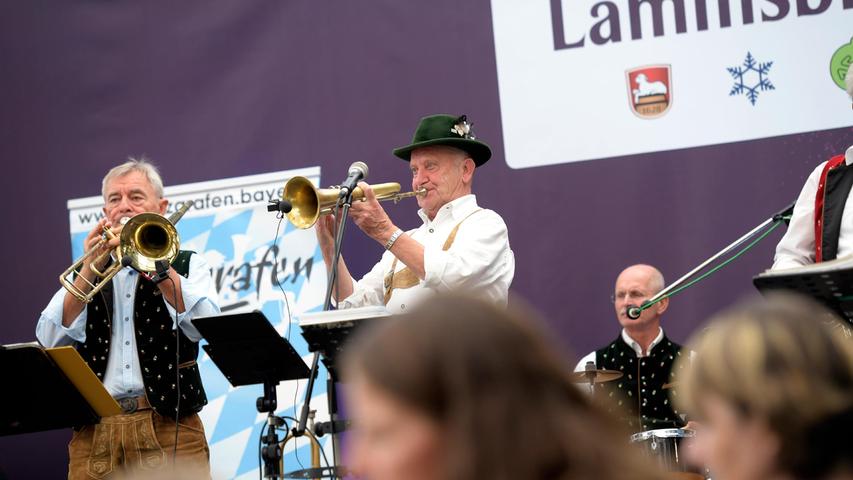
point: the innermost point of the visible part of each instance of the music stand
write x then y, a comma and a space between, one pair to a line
35, 382
249, 351
830, 286
328, 332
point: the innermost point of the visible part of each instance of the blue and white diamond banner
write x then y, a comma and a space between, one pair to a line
591, 79
256, 260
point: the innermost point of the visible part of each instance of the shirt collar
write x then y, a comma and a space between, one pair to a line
456, 209
848, 156
636, 346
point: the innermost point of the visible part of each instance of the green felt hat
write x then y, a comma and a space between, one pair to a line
450, 130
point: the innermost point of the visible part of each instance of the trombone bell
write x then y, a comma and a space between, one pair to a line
146, 239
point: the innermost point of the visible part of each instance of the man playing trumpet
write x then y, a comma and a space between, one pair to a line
128, 336
459, 245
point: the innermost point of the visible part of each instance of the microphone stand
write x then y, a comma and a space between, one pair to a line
676, 287
335, 425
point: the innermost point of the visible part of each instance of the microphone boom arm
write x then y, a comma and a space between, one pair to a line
783, 216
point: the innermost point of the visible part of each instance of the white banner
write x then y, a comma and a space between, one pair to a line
230, 226
592, 79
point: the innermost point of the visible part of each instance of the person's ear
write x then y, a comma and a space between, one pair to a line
163, 203
663, 305
468, 167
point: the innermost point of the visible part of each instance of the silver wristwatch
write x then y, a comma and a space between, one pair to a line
393, 239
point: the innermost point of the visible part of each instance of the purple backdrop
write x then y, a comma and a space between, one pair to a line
214, 89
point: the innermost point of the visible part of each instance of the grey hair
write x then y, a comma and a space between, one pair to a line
133, 164
849, 81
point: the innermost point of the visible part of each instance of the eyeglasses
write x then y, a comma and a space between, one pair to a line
632, 295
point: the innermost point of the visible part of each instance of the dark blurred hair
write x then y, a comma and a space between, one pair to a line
789, 362
499, 390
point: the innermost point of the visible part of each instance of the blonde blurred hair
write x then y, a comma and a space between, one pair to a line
788, 362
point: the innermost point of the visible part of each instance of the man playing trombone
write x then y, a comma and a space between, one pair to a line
138, 338
459, 245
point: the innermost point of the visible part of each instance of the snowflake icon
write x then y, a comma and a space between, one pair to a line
751, 78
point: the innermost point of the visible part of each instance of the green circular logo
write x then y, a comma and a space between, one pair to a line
841, 61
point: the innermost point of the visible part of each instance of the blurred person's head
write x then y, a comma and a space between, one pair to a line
459, 389
772, 386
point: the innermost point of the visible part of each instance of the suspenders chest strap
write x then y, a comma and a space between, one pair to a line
406, 278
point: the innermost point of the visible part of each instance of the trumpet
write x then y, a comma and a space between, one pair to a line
309, 203
145, 239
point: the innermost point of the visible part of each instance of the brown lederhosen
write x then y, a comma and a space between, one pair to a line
406, 278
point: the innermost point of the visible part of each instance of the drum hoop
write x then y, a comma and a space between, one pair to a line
662, 433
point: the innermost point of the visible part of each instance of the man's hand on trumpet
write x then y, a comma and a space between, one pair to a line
371, 217
325, 228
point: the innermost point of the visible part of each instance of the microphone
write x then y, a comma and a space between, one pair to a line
633, 312
357, 172
785, 214
282, 206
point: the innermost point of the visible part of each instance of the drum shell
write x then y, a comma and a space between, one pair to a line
664, 448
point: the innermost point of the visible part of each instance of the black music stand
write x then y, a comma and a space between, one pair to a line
34, 386
831, 287
249, 351
329, 340
327, 333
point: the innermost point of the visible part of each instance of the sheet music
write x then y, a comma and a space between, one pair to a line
843, 263
332, 317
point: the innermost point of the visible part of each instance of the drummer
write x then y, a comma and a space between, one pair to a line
642, 352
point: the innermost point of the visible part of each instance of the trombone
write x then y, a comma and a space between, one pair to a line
309, 203
145, 239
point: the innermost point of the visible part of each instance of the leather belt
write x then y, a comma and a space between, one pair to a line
133, 404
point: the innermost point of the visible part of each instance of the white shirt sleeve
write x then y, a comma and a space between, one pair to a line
370, 290
51, 333
581, 366
200, 297
797, 247
480, 258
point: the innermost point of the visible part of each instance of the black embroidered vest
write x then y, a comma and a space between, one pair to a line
839, 181
155, 343
638, 398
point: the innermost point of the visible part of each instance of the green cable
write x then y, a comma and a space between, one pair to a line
718, 267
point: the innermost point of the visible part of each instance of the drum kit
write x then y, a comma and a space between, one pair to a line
662, 446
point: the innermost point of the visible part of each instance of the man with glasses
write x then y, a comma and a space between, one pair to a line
643, 354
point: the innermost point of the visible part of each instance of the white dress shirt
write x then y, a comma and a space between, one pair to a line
479, 261
123, 377
590, 357
797, 247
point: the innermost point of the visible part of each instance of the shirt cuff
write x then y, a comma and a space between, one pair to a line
195, 305
358, 297
52, 315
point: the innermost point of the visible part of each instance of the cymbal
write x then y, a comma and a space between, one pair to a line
600, 376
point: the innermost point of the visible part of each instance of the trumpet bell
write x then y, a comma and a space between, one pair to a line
309, 203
